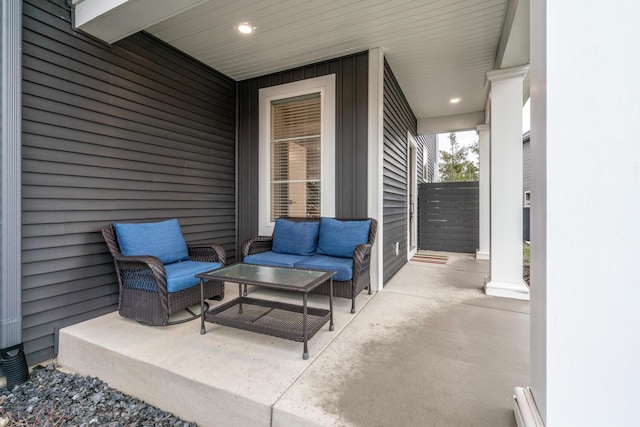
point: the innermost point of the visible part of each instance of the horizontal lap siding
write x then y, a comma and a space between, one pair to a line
427, 145
136, 131
351, 137
448, 216
398, 120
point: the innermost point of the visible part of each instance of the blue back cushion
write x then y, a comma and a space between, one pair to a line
295, 238
340, 238
163, 240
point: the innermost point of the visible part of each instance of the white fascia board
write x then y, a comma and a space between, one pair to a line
513, 49
113, 20
453, 123
88, 10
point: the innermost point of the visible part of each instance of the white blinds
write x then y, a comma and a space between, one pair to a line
295, 156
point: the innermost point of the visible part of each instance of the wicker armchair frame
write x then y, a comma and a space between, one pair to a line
361, 261
153, 305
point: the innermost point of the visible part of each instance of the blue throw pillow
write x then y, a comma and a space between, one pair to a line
163, 240
295, 238
340, 238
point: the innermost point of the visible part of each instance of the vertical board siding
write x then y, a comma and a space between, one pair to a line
131, 132
398, 121
351, 137
448, 216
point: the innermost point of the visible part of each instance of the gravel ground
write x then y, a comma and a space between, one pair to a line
52, 398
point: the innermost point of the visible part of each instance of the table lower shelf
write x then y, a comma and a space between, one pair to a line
273, 318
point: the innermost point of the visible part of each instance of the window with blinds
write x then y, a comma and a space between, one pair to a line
295, 156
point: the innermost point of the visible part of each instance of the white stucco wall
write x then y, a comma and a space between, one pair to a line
585, 343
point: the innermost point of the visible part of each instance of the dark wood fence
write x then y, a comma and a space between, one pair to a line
448, 216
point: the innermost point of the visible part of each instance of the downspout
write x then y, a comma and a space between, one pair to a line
13, 359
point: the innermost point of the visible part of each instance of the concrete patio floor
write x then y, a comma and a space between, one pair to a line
429, 350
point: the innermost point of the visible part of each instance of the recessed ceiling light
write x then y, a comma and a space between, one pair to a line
455, 100
245, 28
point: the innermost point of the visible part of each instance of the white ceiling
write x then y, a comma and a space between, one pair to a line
438, 49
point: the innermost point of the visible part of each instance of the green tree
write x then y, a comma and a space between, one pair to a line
455, 165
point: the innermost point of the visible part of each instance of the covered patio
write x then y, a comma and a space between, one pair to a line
443, 353
144, 125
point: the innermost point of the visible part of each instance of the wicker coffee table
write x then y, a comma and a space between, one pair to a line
291, 321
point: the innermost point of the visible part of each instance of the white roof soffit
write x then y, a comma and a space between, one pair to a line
113, 20
513, 52
438, 49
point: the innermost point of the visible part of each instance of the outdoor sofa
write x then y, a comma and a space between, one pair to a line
156, 268
329, 244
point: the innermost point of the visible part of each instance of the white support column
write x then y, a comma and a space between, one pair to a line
506, 184
585, 228
484, 133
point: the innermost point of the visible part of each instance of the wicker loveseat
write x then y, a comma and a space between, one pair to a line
335, 244
156, 267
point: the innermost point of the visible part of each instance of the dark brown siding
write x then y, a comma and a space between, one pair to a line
136, 131
398, 121
351, 137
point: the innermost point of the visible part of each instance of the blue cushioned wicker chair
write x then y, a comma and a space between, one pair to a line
156, 268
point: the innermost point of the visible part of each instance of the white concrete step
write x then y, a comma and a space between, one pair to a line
227, 377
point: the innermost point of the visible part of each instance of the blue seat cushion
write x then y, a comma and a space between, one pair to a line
273, 259
180, 275
295, 238
340, 238
342, 266
163, 240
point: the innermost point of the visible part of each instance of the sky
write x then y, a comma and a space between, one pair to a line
466, 138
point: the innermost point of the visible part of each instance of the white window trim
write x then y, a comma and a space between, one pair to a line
412, 163
524, 202
326, 85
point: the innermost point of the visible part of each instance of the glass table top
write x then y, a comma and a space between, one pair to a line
280, 277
